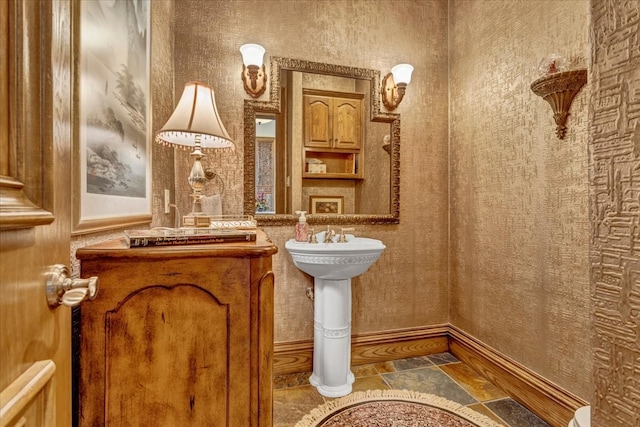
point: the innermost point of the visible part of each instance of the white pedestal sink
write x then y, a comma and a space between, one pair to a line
333, 265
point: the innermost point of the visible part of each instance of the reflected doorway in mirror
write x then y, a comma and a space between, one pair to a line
265, 175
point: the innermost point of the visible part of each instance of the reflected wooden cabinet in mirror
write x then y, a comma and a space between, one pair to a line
334, 136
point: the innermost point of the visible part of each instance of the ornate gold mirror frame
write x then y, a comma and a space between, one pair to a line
274, 105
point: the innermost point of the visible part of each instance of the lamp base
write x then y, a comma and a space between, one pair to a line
196, 221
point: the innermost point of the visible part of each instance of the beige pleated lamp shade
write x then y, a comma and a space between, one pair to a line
195, 114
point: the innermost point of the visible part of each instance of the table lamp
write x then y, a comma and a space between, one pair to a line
195, 123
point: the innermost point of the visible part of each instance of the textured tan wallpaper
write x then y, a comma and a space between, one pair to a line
614, 181
521, 201
408, 286
519, 196
163, 105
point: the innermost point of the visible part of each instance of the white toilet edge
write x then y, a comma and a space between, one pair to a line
582, 417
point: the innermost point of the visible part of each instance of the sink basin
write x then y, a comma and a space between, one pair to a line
335, 261
332, 266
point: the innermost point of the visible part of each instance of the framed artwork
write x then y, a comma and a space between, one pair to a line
326, 205
112, 143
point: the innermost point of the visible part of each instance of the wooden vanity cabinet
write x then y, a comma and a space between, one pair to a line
177, 336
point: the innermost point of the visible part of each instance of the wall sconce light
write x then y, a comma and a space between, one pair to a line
395, 84
559, 89
195, 123
254, 75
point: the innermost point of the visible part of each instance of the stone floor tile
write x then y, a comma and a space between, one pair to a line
442, 358
477, 385
375, 382
385, 367
364, 370
291, 380
429, 380
515, 414
481, 408
291, 404
411, 363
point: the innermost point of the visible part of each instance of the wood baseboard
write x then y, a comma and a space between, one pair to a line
374, 347
379, 347
292, 357
550, 402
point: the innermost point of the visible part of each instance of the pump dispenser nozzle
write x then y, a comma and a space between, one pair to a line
302, 219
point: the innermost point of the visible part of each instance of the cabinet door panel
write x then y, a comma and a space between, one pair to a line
347, 123
167, 340
317, 121
168, 358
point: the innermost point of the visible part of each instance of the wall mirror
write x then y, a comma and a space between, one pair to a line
348, 183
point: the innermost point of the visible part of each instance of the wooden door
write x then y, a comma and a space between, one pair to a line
35, 340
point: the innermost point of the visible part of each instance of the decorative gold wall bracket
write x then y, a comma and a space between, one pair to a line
392, 92
558, 90
254, 79
254, 76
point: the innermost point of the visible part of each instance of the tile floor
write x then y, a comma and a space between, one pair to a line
441, 374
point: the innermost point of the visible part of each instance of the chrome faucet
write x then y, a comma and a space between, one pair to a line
329, 235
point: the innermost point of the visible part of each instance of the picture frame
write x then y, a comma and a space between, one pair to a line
111, 116
326, 205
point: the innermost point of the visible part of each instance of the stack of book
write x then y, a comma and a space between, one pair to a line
186, 236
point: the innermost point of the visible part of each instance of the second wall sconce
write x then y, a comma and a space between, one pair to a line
559, 89
254, 75
395, 84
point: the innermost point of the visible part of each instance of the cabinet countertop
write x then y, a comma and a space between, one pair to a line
118, 248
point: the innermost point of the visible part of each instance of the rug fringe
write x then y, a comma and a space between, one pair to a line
318, 414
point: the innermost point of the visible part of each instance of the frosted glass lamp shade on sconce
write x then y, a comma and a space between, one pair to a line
394, 85
252, 54
402, 73
254, 76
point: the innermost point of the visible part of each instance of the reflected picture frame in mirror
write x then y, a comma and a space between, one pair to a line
273, 106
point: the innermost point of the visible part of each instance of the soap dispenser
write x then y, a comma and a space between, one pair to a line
302, 229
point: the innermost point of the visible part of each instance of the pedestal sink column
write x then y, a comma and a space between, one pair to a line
332, 265
332, 374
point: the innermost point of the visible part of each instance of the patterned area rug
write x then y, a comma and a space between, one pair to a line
394, 408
